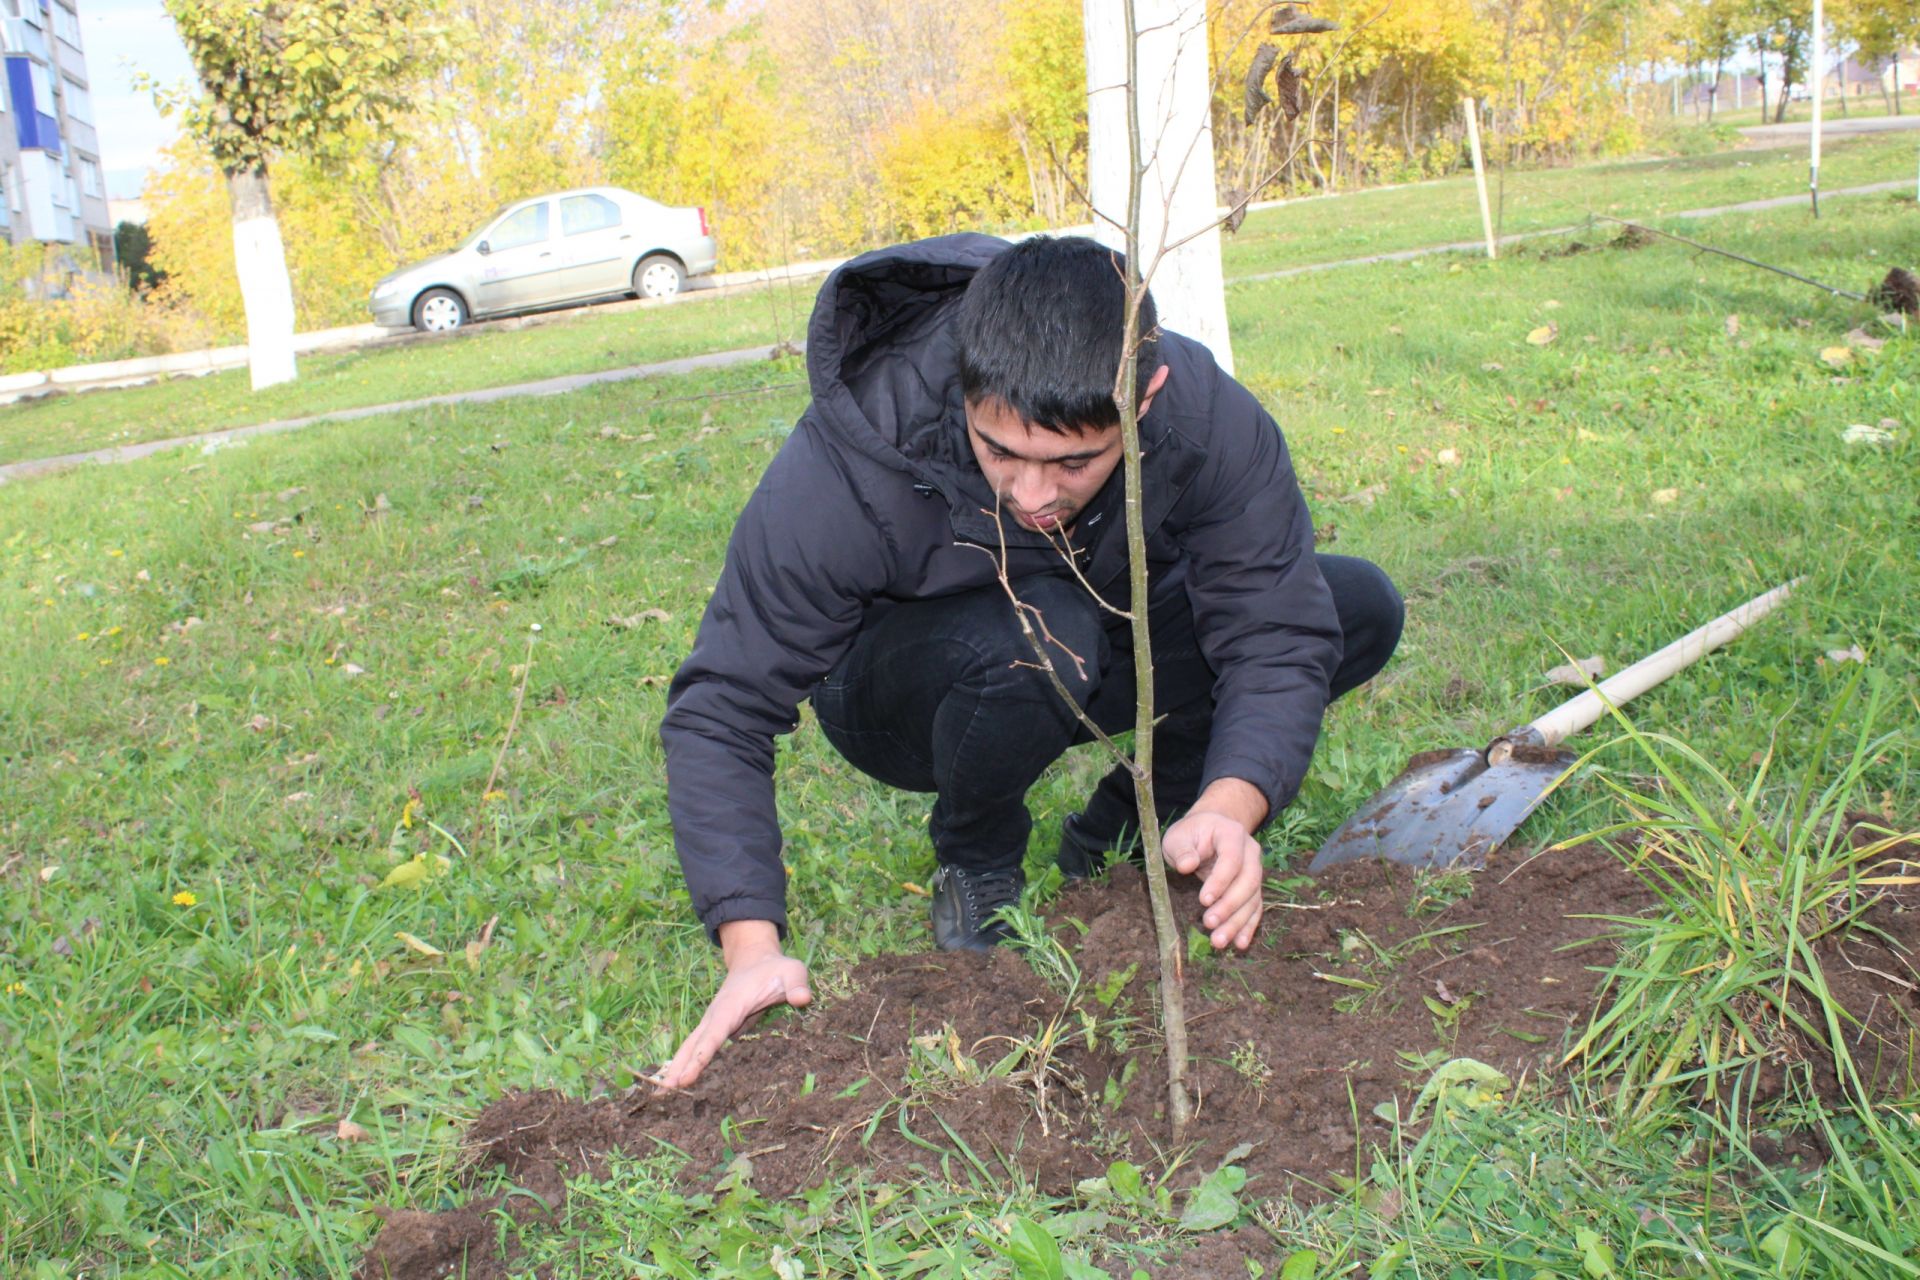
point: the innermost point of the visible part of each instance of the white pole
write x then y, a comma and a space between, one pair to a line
1819, 77
1177, 200
1480, 178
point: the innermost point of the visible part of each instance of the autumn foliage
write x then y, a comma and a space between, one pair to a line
817, 128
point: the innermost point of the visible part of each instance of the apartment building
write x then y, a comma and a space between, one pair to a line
51, 187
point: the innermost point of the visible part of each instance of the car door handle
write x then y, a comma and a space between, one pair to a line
627, 236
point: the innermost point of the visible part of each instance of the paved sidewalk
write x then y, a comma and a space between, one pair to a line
1831, 126
33, 467
728, 359
1480, 246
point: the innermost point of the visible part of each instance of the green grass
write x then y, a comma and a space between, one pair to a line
1297, 234
488, 355
1448, 212
271, 721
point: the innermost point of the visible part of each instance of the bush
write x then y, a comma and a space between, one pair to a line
53, 315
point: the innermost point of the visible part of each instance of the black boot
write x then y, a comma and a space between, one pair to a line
1082, 857
965, 903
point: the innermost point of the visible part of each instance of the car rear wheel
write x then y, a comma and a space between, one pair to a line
439, 310
658, 276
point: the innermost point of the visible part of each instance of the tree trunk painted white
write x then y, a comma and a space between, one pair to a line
1177, 198
1817, 76
260, 260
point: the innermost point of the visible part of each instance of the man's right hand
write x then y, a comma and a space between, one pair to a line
759, 977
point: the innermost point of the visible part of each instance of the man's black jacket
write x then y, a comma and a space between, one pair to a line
876, 499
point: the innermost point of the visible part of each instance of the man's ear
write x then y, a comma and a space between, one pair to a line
1157, 381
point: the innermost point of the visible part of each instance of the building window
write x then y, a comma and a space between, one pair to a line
66, 25
42, 89
79, 104
89, 177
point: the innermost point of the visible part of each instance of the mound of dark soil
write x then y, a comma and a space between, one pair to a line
1284, 1056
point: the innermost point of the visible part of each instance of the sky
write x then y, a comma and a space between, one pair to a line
120, 38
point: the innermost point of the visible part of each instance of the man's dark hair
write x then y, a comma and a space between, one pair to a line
1040, 329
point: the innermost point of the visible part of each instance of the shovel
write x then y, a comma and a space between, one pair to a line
1454, 807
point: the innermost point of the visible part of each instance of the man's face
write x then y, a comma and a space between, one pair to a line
1043, 479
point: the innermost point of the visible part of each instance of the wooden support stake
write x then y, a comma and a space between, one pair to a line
1480, 178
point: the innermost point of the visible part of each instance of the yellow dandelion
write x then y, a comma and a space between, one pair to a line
162, 662
185, 898
116, 552
111, 631
48, 602
106, 662
1402, 448
492, 796
84, 635
1339, 431
299, 555
16, 988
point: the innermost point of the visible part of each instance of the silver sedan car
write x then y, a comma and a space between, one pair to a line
568, 247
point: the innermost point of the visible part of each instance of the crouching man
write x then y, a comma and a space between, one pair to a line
962, 426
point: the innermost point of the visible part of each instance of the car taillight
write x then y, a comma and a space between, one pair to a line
705, 230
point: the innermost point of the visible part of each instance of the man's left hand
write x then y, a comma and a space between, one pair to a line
1220, 846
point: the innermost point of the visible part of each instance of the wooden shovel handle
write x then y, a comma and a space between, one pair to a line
1577, 713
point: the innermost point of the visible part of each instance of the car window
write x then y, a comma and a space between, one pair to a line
581, 214
528, 226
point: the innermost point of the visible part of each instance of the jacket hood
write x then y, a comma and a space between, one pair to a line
881, 359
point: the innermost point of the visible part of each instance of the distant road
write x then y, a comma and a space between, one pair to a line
1831, 126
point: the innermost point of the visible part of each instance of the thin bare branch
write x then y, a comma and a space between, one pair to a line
1024, 613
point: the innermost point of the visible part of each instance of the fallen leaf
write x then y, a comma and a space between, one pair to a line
48, 873
288, 495
263, 526
260, 724
1543, 335
298, 797
1865, 341
1578, 672
1733, 326
1446, 996
1366, 497
633, 620
1664, 496
1447, 457
1492, 366
1861, 433
1837, 357
348, 1131
1852, 653
415, 944
609, 540
413, 871
353, 670
478, 947
1551, 304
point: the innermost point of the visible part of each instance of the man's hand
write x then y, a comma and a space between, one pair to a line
1215, 837
758, 978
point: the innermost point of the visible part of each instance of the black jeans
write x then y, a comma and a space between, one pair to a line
943, 696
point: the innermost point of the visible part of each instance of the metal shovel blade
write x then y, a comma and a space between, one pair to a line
1447, 808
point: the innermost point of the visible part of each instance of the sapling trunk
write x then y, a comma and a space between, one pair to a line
1173, 1010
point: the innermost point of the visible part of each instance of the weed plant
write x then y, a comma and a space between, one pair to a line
1756, 884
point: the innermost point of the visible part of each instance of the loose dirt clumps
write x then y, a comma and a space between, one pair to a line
1349, 1000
